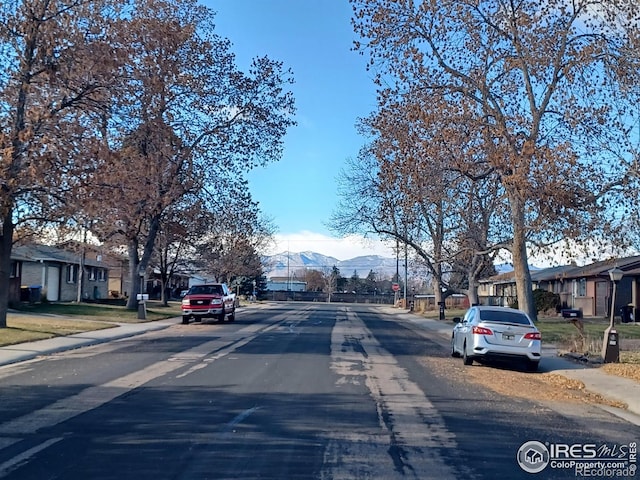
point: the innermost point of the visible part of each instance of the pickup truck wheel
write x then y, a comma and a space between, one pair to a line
232, 315
222, 315
185, 319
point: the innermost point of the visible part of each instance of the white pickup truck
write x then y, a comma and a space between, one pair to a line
212, 300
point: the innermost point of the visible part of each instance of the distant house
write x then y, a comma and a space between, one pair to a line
587, 288
285, 284
45, 272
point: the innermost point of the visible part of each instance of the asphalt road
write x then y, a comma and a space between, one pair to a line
289, 391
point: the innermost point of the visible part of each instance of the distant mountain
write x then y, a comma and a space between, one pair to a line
383, 266
287, 264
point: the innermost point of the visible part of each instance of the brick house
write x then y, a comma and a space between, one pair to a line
587, 288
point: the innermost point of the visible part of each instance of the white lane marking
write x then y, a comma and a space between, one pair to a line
88, 399
17, 461
205, 360
411, 429
96, 396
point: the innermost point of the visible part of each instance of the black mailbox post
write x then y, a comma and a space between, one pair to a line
441, 305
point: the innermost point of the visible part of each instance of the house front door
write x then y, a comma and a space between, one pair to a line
602, 293
53, 283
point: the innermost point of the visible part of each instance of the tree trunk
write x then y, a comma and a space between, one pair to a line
134, 275
6, 243
437, 290
164, 281
521, 261
472, 291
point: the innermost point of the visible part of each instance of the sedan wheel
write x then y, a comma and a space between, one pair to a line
453, 350
466, 359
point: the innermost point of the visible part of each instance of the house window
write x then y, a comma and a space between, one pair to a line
15, 269
102, 275
582, 287
92, 273
72, 273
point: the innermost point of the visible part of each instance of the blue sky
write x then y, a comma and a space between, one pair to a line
332, 90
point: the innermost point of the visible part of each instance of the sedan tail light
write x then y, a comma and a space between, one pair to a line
481, 331
533, 336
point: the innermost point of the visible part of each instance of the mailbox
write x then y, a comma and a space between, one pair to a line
611, 347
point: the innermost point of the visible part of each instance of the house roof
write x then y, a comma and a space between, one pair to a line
45, 253
630, 266
601, 268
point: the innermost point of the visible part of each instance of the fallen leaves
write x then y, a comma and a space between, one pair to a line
534, 386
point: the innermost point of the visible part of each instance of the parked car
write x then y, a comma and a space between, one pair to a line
496, 333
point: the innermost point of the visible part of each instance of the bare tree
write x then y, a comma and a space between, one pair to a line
404, 186
232, 248
314, 279
57, 66
185, 119
548, 85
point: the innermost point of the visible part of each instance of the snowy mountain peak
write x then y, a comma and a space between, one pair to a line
287, 263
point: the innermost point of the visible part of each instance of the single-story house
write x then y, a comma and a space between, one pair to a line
45, 272
587, 288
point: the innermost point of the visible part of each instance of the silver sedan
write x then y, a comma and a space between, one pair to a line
496, 333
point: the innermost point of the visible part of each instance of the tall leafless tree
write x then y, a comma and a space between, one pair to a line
184, 120
57, 68
548, 83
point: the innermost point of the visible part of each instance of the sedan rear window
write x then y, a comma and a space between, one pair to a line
504, 316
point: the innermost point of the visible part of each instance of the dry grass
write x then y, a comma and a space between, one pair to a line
42, 321
28, 328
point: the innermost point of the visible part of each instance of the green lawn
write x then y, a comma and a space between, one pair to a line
47, 320
95, 311
558, 330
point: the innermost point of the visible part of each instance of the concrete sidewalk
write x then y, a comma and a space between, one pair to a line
595, 380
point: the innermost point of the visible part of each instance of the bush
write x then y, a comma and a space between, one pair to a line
546, 301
